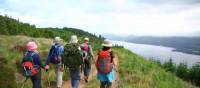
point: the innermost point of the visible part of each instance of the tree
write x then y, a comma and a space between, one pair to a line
182, 71
194, 74
170, 66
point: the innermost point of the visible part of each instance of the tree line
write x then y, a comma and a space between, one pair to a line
182, 70
10, 26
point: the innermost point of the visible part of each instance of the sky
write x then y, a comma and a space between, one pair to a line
123, 17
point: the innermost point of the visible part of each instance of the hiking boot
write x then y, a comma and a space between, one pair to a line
86, 79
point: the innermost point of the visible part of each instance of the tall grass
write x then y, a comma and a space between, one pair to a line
10, 73
136, 72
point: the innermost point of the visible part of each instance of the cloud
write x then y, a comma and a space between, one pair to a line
138, 17
169, 1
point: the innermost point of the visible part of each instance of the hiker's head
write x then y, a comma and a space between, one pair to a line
86, 39
31, 46
73, 39
57, 40
107, 45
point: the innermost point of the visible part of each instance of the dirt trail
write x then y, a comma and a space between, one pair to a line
67, 84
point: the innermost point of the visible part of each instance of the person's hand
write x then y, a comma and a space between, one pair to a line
47, 67
61, 68
115, 69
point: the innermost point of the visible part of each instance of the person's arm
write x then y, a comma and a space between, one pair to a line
48, 58
91, 52
38, 60
96, 59
114, 62
60, 53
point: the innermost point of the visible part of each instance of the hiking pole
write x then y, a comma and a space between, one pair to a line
48, 79
24, 82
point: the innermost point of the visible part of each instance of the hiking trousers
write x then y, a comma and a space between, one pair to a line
87, 68
75, 74
36, 80
74, 83
59, 75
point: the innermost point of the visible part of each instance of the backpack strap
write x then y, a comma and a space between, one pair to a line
54, 49
32, 54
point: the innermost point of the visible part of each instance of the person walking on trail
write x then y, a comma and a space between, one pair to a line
106, 64
72, 58
54, 57
31, 64
88, 55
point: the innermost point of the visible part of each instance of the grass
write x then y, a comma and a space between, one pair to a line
14, 56
136, 72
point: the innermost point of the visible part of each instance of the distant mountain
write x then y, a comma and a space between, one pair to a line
118, 37
183, 44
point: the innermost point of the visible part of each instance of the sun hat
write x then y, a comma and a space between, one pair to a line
57, 39
107, 43
86, 39
31, 46
73, 39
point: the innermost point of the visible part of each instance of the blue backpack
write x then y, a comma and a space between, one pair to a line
54, 55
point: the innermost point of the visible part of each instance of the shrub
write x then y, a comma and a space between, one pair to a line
182, 71
169, 66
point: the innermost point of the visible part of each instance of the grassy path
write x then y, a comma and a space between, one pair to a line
93, 73
67, 84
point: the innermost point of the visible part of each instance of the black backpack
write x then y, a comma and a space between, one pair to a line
72, 56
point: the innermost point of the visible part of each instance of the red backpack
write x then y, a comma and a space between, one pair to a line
29, 69
85, 47
104, 62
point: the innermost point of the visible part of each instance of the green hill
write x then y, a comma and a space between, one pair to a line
10, 26
134, 71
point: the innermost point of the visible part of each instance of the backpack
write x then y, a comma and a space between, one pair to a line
86, 51
54, 55
72, 56
29, 69
104, 62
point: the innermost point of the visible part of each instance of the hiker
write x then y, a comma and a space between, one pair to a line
88, 55
72, 58
54, 57
32, 64
105, 63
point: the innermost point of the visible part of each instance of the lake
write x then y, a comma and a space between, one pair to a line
160, 53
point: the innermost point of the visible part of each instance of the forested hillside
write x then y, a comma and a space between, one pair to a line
9, 26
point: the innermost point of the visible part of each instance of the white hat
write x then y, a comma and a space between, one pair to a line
73, 39
57, 39
107, 43
86, 39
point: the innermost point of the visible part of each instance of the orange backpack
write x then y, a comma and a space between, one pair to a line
104, 62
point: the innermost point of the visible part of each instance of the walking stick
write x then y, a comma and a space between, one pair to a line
24, 83
48, 79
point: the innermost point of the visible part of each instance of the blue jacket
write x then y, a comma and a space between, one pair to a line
59, 52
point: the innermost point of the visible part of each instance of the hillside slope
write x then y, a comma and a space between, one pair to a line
136, 72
